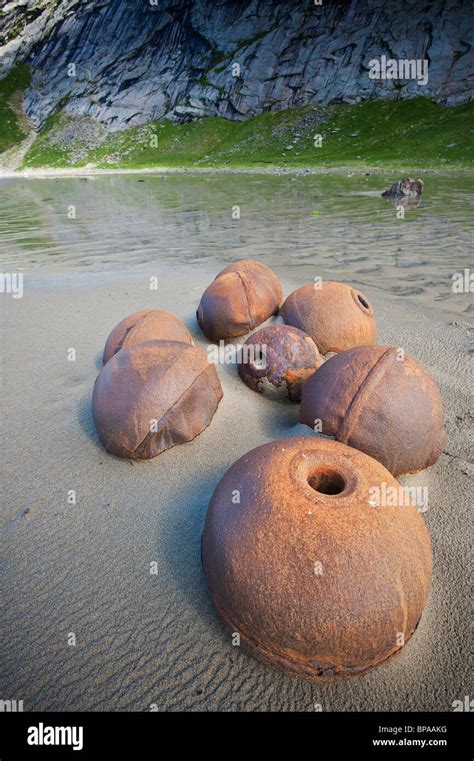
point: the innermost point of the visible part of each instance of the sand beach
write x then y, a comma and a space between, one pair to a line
152, 640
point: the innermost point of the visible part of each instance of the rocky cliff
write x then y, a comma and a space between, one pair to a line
126, 62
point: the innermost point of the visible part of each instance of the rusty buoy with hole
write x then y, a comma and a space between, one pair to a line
380, 401
281, 355
336, 316
147, 325
153, 395
242, 296
315, 577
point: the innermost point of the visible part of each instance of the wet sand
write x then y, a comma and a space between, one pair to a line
336, 226
145, 639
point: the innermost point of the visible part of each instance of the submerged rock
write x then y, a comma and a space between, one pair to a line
406, 188
407, 202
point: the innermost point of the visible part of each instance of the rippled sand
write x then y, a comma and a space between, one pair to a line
331, 225
155, 639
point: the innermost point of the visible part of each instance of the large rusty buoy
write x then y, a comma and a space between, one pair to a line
307, 565
147, 325
153, 395
242, 296
336, 316
281, 355
378, 400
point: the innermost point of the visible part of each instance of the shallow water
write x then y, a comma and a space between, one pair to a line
335, 226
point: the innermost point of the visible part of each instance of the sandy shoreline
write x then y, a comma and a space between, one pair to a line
154, 639
93, 171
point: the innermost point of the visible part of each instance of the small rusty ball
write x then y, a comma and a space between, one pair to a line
379, 401
242, 296
147, 325
315, 576
281, 355
336, 316
153, 395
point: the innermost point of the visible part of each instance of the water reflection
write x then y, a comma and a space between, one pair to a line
334, 226
405, 202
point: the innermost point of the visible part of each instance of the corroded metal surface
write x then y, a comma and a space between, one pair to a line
281, 355
242, 296
380, 402
336, 316
147, 325
314, 578
153, 395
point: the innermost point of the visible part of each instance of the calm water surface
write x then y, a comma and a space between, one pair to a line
334, 226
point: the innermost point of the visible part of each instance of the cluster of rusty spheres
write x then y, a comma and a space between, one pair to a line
315, 572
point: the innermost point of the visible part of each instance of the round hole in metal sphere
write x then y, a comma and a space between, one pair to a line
326, 480
315, 577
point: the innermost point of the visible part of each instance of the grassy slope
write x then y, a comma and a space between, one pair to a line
11, 129
388, 133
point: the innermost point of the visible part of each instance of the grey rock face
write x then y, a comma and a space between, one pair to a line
126, 62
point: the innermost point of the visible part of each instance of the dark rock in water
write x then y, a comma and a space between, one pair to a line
405, 188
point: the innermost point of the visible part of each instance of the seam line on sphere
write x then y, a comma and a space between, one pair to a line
127, 331
298, 318
249, 322
139, 448
344, 430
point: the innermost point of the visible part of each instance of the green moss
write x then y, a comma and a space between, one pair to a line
163, 143
52, 151
414, 132
18, 78
204, 82
259, 36
41, 154
217, 57
390, 134
11, 87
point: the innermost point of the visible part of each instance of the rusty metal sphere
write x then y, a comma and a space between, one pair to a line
147, 325
380, 401
281, 355
314, 578
153, 395
242, 296
336, 316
